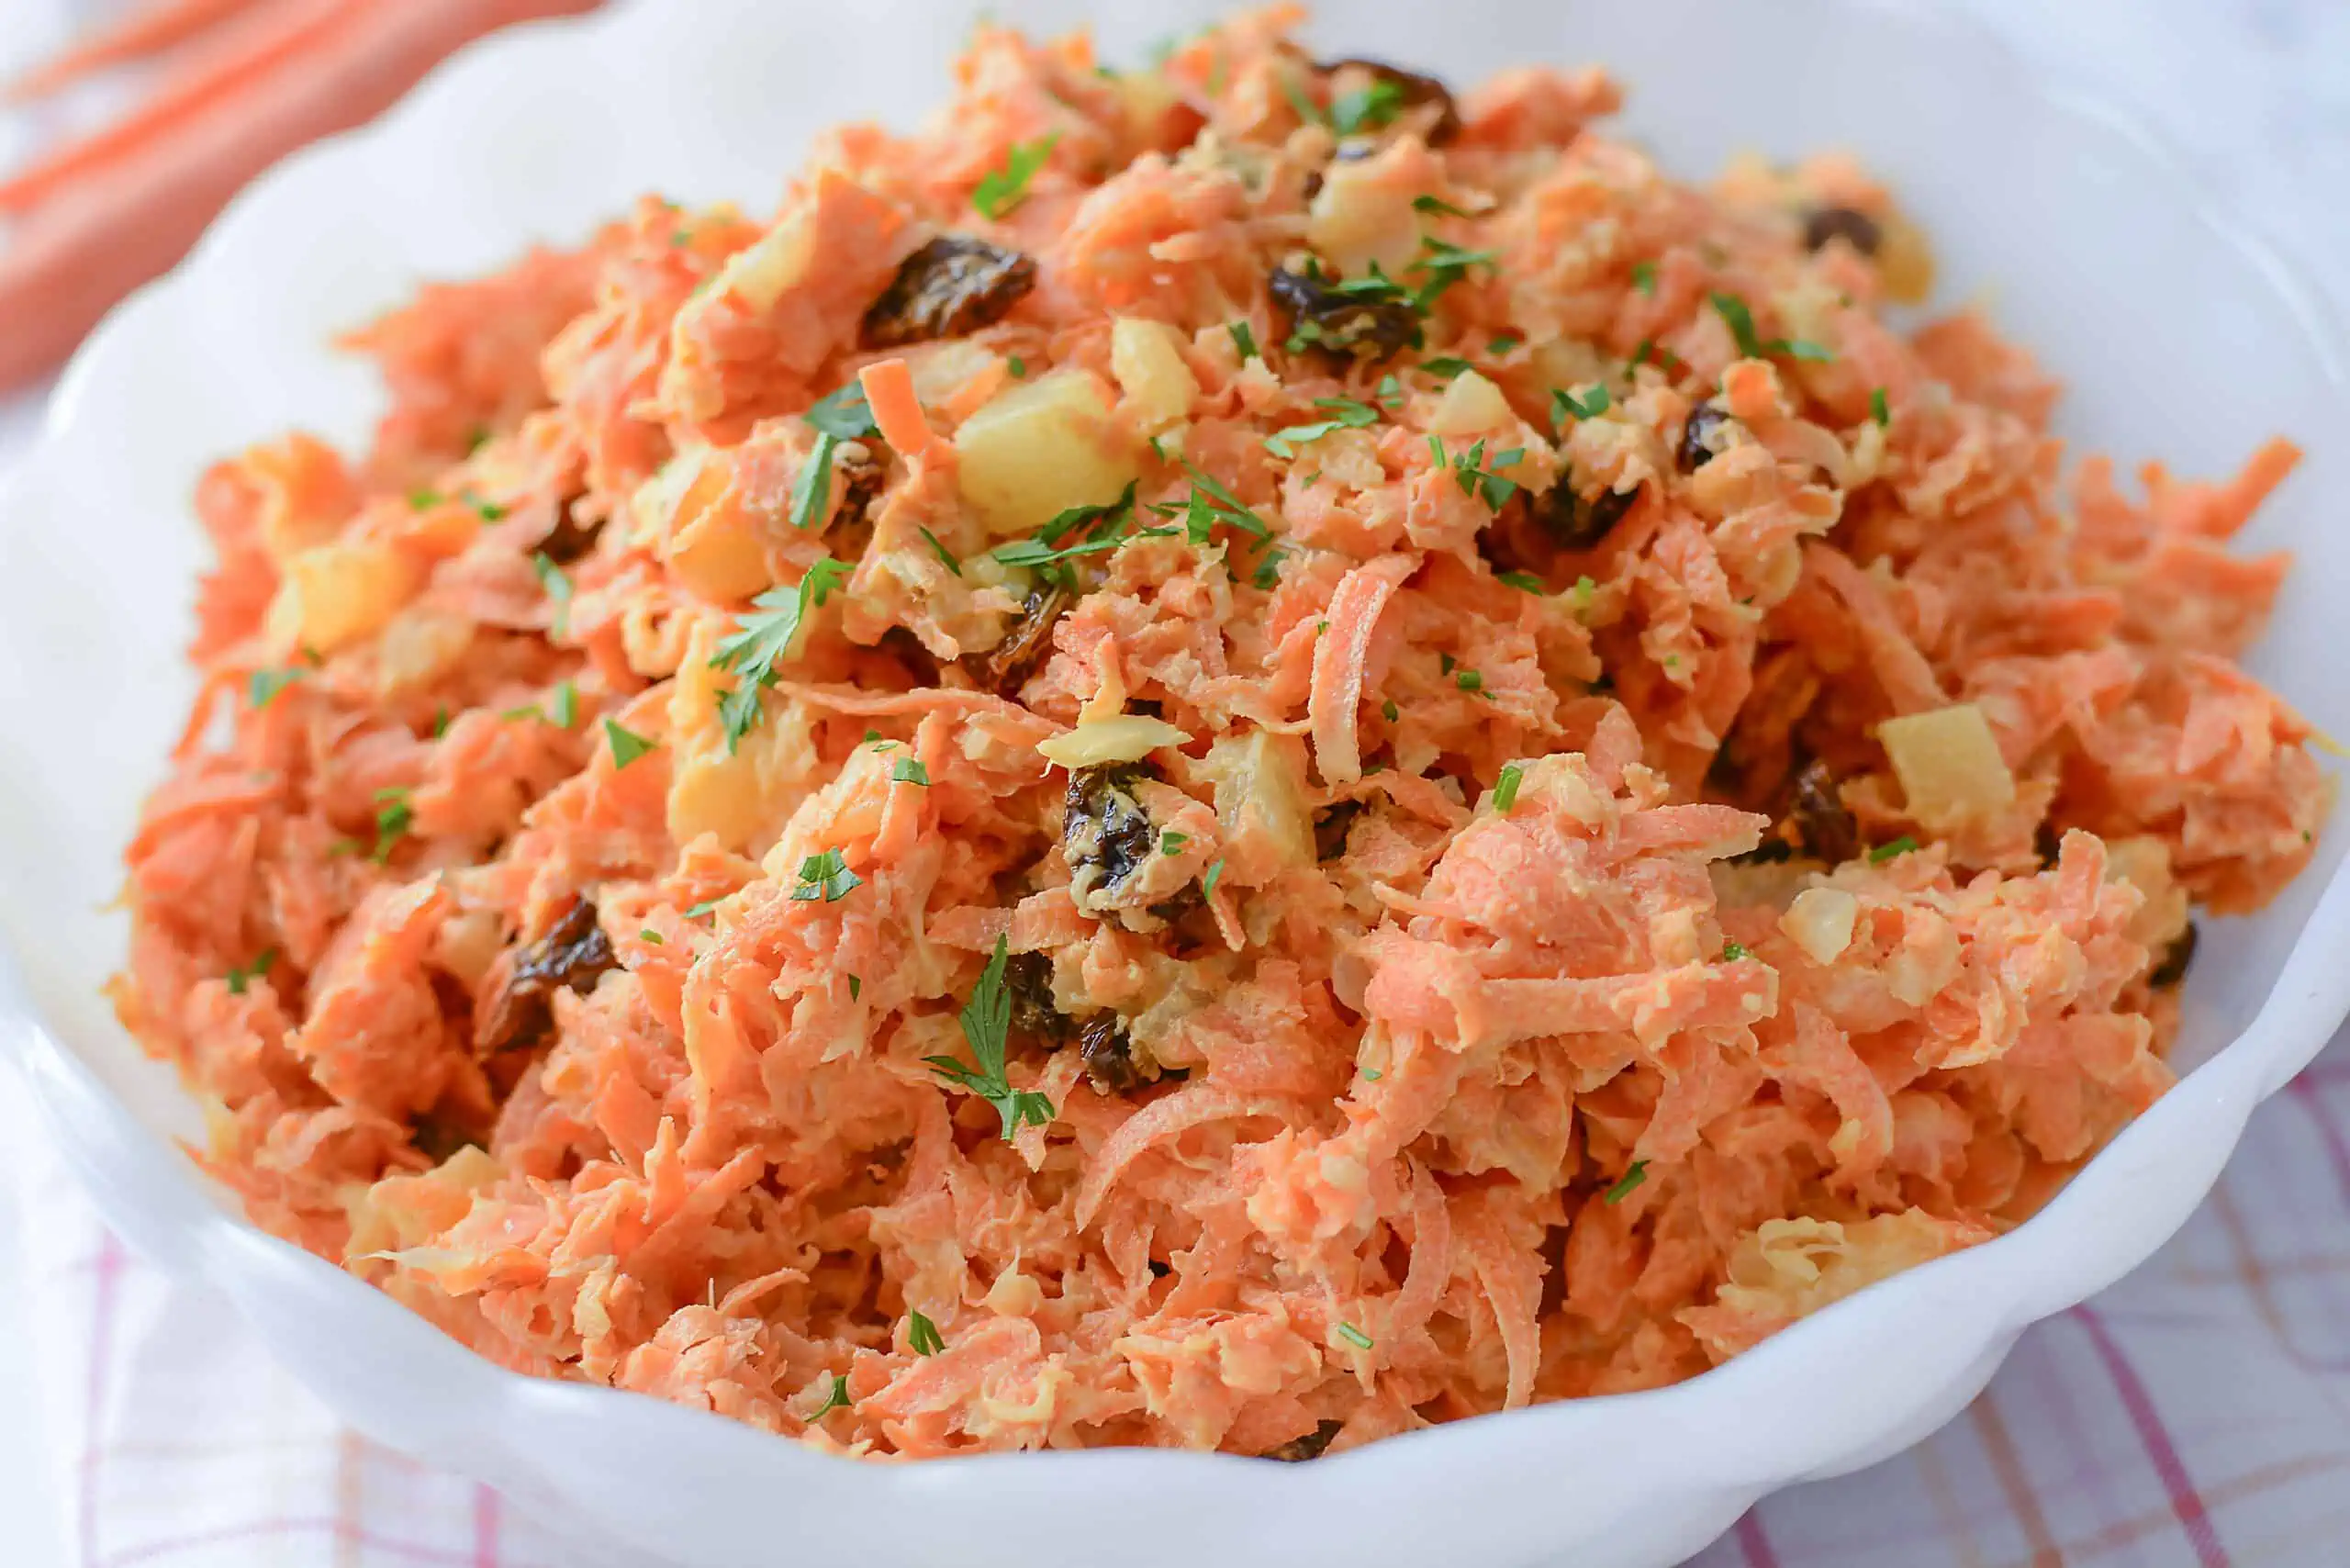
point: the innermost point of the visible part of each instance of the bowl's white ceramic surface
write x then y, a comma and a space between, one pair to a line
2180, 337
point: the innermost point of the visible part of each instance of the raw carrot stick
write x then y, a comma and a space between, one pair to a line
71, 260
148, 31
889, 389
303, 31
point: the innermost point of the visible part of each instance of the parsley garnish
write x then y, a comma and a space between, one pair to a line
1732, 952
393, 817
1215, 874
241, 977
1469, 680
489, 511
647, 934
707, 906
1366, 108
1566, 404
1354, 1336
440, 720
1446, 367
1308, 111
856, 986
908, 771
765, 640
1633, 1176
1344, 414
1525, 582
1503, 343
922, 1334
1898, 848
1040, 554
1018, 366
1644, 277
1002, 190
1477, 481
1244, 338
1389, 711
1268, 566
1740, 319
265, 684
1390, 393
1879, 410
836, 1400
1210, 504
1445, 265
566, 712
1436, 205
946, 556
838, 416
424, 500
558, 588
1170, 841
1444, 662
627, 744
826, 876
1505, 785
985, 1018
843, 413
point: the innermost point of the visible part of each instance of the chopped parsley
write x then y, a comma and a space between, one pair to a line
1389, 711
824, 875
1018, 366
393, 817
856, 986
908, 771
1366, 108
1503, 343
1445, 265
1269, 568
1373, 1074
1209, 504
838, 416
1354, 1336
1438, 206
946, 556
1244, 340
922, 1334
836, 1400
1041, 554
1893, 851
1565, 405
424, 500
707, 906
647, 934
1469, 680
627, 744
1505, 785
1308, 111
1476, 480
1444, 662
264, 685
1346, 414
765, 639
1215, 875
986, 1019
1732, 952
1446, 367
1525, 582
1390, 393
1636, 1174
566, 711
1879, 410
244, 975
1001, 190
1644, 277
1740, 320
489, 511
558, 587
440, 720
1170, 841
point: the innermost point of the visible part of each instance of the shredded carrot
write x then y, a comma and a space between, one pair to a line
150, 30
1277, 896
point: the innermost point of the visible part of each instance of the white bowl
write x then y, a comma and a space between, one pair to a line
2180, 336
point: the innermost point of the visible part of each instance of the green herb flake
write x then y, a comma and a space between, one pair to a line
1244, 340
1644, 277
1438, 206
476, 438
1525, 582
1389, 711
262, 687
243, 976
986, 1019
1170, 841
558, 587
1740, 320
1366, 108
1469, 680
1565, 405
1215, 875
565, 709
1390, 393
424, 500
908, 771
1446, 367
651, 937
946, 556
1893, 851
837, 1400
1002, 190
765, 638
627, 744
1373, 1074
1345, 413
440, 720
1504, 344
1354, 1336
844, 412
1637, 1173
856, 986
393, 817
1732, 952
825, 875
1478, 481
1443, 264
1505, 785
488, 511
1308, 111
1018, 366
1879, 410
706, 907
922, 1334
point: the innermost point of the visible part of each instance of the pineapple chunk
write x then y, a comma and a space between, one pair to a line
1129, 737
1363, 215
1158, 386
1470, 406
710, 541
1041, 448
743, 797
335, 595
1260, 802
1949, 764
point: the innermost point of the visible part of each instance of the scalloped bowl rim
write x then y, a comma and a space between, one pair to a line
147, 1193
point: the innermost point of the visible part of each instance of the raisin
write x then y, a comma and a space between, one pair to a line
1330, 829
1414, 90
1107, 1050
1821, 825
1005, 669
953, 285
1367, 319
1312, 1446
570, 538
1857, 229
1575, 523
1105, 834
1696, 450
2175, 958
573, 952
1028, 977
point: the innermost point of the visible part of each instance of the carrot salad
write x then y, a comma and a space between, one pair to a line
1236, 754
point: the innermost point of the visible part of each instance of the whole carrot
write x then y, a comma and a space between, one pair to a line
95, 240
